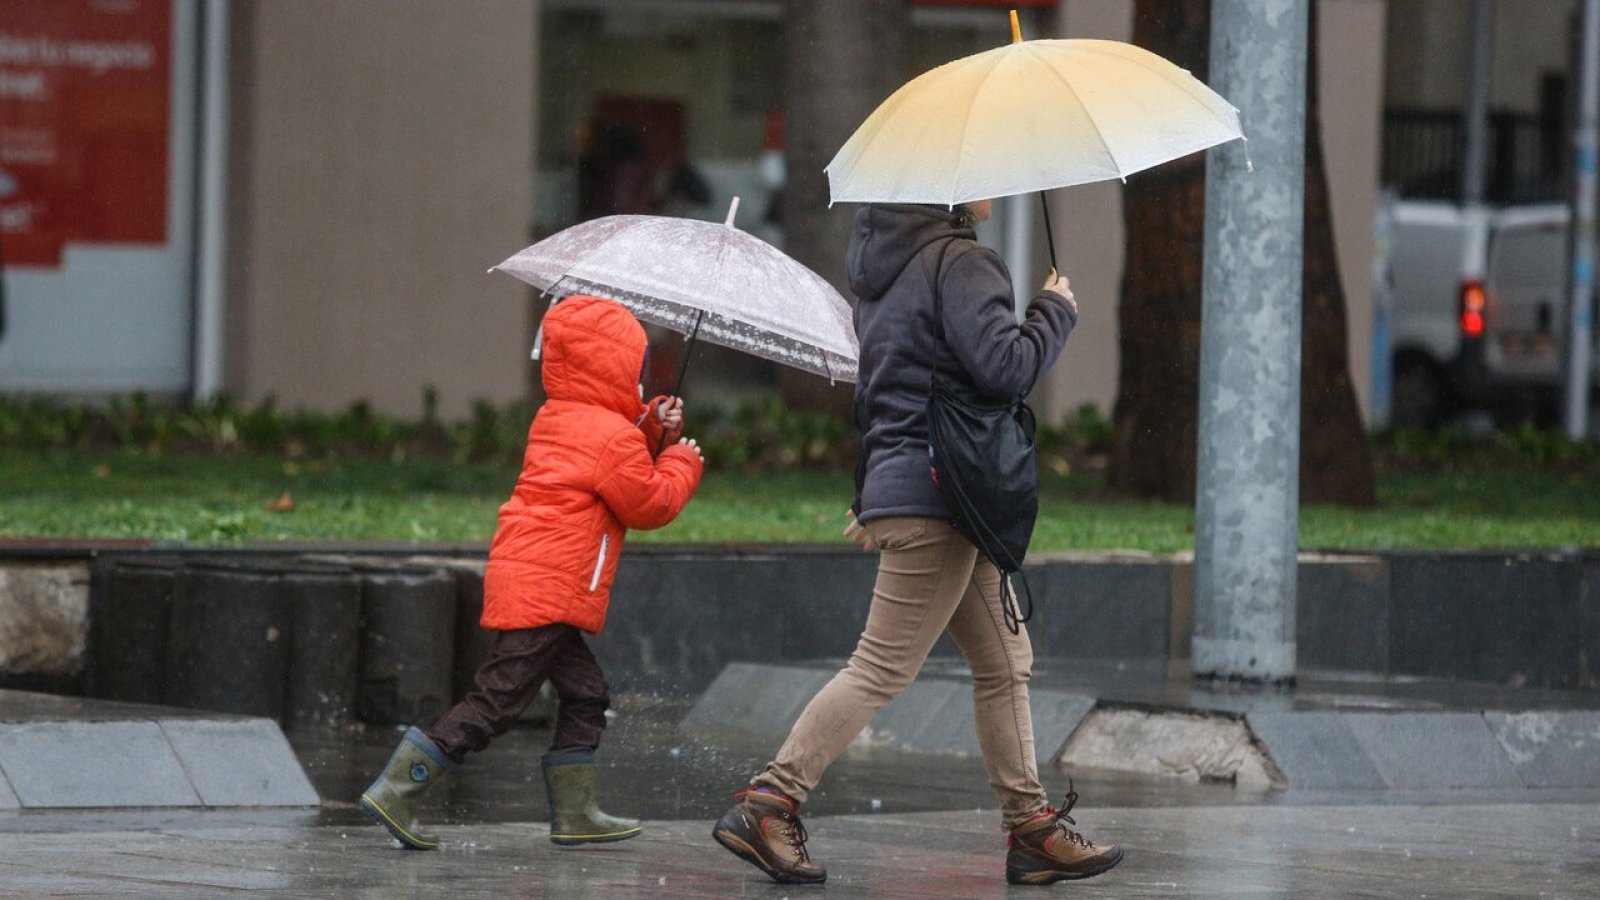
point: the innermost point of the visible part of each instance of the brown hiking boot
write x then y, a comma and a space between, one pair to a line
764, 830
1043, 850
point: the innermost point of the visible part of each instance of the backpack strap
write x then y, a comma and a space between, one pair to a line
938, 299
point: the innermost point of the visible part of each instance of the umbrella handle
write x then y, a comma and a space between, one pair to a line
1049, 236
683, 370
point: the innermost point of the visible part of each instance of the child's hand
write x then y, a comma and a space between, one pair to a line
670, 412
856, 533
690, 443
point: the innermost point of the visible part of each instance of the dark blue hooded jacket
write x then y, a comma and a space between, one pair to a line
893, 252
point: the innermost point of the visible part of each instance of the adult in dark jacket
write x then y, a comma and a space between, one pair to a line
930, 578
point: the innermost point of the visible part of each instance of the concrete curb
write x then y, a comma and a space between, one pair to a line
60, 753
1419, 748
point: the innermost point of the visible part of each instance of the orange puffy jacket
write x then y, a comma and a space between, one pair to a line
587, 476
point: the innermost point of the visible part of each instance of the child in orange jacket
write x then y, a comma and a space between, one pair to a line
590, 472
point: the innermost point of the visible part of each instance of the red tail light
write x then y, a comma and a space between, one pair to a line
1474, 308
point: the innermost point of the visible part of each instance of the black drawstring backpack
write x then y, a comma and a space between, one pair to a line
981, 456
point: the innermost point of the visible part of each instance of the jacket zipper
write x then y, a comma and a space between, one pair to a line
600, 564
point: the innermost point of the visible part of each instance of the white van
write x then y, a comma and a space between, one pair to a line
1479, 311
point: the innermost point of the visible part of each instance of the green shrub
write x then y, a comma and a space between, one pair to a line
1456, 450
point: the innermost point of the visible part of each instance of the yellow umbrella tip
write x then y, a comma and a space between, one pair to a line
1016, 28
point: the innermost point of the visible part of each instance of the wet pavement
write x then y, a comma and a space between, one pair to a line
885, 823
1513, 850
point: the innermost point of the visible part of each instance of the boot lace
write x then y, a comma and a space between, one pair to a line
796, 837
794, 831
1064, 818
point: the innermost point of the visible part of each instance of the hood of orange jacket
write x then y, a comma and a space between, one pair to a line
594, 352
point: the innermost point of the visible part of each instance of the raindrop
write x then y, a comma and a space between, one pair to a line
876, 804
661, 880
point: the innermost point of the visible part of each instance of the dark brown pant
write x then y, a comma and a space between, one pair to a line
519, 662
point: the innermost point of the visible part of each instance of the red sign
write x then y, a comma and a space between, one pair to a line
84, 111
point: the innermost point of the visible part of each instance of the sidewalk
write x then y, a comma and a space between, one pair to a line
1521, 849
885, 822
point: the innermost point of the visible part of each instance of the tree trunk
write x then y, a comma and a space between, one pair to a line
841, 59
1157, 410
1156, 416
1335, 457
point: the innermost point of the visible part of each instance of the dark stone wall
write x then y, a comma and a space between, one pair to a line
393, 634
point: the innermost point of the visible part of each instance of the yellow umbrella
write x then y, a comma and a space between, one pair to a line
1029, 116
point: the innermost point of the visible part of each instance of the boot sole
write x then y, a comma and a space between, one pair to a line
742, 849
1051, 876
576, 840
411, 841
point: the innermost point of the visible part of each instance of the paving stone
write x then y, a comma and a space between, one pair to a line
8, 797
927, 702
756, 699
1433, 750
1056, 715
954, 731
1315, 751
239, 763
76, 764
1551, 748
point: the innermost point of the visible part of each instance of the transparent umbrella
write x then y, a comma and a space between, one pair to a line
702, 279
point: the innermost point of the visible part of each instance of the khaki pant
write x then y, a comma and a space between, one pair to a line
930, 579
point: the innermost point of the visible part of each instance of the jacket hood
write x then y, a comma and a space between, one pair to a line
887, 236
594, 352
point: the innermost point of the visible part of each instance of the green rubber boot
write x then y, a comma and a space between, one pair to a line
392, 799
574, 817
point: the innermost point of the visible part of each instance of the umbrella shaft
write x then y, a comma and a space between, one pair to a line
688, 351
1049, 236
683, 370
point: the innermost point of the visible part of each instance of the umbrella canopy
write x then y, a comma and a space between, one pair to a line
701, 278
1029, 116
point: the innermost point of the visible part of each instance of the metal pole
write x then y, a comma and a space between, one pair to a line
212, 219
1474, 163
1247, 491
1586, 140
1019, 250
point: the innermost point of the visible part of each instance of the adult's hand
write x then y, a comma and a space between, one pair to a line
1057, 284
858, 534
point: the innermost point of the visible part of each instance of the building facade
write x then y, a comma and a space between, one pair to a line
300, 200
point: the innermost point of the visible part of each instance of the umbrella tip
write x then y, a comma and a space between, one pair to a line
1016, 28
733, 210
